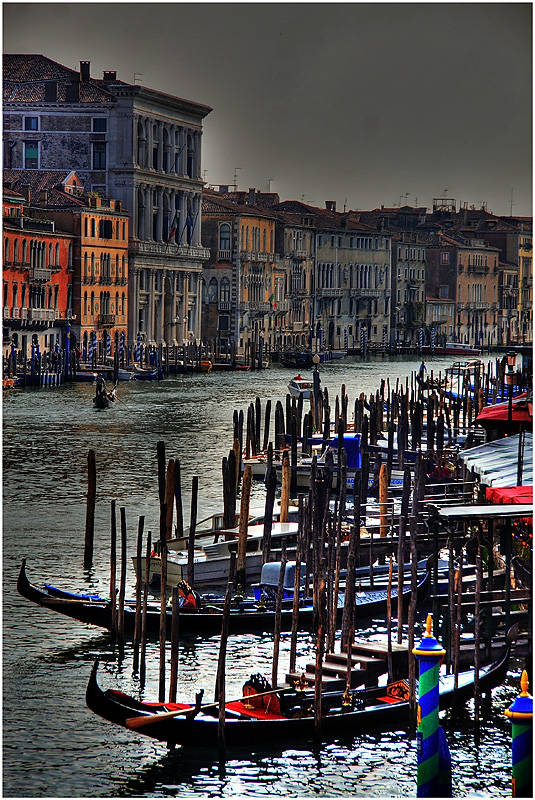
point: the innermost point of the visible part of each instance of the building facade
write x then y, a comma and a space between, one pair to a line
136, 145
408, 286
37, 277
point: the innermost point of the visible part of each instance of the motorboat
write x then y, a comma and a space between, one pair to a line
300, 386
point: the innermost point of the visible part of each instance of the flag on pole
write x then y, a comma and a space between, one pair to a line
174, 226
271, 300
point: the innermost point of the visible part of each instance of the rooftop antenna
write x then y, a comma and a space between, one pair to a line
345, 204
403, 196
235, 184
268, 182
138, 76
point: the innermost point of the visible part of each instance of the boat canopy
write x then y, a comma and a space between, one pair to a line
496, 462
510, 494
351, 444
522, 411
456, 513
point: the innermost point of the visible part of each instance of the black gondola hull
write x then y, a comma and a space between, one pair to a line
202, 731
205, 622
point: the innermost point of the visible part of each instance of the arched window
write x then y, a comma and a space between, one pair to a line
212, 291
190, 157
92, 265
264, 241
16, 251
116, 302
165, 219
224, 291
165, 150
116, 268
122, 303
224, 236
56, 257
56, 291
85, 226
6, 251
93, 228
85, 303
86, 276
69, 257
24, 251
123, 269
50, 259
92, 303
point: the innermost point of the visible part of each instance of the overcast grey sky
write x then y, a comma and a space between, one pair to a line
356, 102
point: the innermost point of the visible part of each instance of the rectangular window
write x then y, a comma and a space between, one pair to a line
105, 229
444, 291
444, 258
31, 155
31, 123
100, 125
99, 155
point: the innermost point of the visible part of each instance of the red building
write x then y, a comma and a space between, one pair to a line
37, 276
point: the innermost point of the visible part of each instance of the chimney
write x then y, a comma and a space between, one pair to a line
84, 71
330, 205
43, 197
51, 92
25, 191
108, 76
72, 94
251, 197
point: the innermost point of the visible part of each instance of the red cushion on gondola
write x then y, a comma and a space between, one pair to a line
257, 713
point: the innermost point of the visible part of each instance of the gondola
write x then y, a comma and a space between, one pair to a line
289, 717
248, 617
101, 401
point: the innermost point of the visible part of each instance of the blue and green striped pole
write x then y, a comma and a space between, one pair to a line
429, 653
521, 716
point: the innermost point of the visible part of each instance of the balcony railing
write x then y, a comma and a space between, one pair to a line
299, 254
169, 250
224, 305
42, 314
366, 292
40, 274
224, 255
330, 292
107, 319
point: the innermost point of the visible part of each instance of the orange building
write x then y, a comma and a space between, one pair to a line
100, 259
37, 276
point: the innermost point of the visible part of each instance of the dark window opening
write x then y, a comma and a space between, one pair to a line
99, 155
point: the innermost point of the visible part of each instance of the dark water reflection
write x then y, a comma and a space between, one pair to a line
53, 745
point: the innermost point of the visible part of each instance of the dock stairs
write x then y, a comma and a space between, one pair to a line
368, 661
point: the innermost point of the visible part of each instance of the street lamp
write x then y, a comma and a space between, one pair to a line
510, 380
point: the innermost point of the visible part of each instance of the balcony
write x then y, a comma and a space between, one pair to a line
107, 319
255, 305
170, 250
367, 292
6, 313
224, 305
283, 306
42, 314
224, 255
40, 274
299, 255
330, 292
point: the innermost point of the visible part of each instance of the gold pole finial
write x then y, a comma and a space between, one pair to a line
429, 625
524, 684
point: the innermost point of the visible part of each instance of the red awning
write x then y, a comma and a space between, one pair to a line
522, 412
510, 494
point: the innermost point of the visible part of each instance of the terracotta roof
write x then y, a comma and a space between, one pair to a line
215, 203
10, 194
25, 78
50, 180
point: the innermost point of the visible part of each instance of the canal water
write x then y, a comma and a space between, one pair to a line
53, 745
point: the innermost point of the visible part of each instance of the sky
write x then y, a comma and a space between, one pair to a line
364, 104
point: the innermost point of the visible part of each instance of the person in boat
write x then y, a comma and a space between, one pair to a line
188, 597
420, 377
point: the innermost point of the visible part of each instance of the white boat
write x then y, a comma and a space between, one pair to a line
211, 562
301, 386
